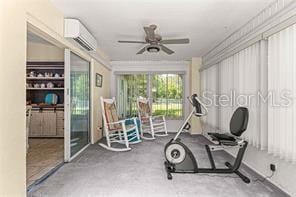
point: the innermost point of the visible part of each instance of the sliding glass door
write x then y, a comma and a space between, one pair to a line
77, 108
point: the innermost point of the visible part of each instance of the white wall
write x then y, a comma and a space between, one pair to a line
154, 66
97, 92
194, 81
44, 52
13, 98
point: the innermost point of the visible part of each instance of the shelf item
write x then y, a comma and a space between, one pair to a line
45, 65
45, 78
44, 68
45, 88
46, 107
40, 79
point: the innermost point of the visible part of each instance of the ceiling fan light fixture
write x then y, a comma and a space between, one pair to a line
153, 48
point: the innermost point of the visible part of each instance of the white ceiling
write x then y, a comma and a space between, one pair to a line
204, 22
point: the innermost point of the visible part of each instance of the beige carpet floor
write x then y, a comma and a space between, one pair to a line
98, 172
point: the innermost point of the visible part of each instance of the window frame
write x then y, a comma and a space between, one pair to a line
149, 85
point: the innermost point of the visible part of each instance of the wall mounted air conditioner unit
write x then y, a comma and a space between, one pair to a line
76, 30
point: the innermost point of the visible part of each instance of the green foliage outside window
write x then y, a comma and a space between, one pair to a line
166, 92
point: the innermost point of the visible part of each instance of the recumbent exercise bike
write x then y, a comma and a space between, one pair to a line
180, 159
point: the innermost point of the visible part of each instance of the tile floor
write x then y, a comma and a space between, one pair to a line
43, 156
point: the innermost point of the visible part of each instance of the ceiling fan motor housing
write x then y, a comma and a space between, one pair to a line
156, 39
153, 48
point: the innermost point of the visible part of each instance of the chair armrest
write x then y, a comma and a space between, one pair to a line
129, 119
117, 122
122, 121
158, 116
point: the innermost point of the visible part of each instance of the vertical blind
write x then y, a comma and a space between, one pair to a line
238, 83
282, 80
225, 91
209, 88
241, 78
130, 87
246, 86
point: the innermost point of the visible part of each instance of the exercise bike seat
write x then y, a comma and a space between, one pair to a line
221, 136
238, 124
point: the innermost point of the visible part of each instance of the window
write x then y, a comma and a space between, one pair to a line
129, 88
164, 90
267, 86
167, 95
281, 81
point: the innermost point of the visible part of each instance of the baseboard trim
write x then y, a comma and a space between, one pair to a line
267, 181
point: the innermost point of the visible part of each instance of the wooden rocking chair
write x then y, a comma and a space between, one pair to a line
116, 131
154, 125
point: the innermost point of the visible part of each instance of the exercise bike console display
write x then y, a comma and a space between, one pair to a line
180, 159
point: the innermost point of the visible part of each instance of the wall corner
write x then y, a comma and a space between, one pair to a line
196, 63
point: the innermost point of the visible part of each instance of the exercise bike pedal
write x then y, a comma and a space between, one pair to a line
227, 164
167, 168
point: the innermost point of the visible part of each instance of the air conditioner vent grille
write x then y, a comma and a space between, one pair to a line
83, 44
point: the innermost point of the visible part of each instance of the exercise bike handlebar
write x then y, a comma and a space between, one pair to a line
199, 107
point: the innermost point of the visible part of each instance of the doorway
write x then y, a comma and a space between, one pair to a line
45, 108
58, 106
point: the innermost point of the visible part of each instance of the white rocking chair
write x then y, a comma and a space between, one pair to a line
153, 125
116, 131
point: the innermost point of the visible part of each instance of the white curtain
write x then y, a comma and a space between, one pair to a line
203, 87
240, 80
225, 91
211, 93
239, 85
246, 87
282, 83
208, 92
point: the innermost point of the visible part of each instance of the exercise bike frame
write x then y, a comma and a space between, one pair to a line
170, 168
173, 168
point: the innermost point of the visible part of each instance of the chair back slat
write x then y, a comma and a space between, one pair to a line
110, 114
143, 107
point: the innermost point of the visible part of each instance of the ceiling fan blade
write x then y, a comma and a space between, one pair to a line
149, 32
166, 50
131, 41
175, 41
141, 51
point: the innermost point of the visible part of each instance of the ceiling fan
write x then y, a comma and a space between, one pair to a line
155, 41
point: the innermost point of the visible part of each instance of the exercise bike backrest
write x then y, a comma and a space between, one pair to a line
239, 121
200, 108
